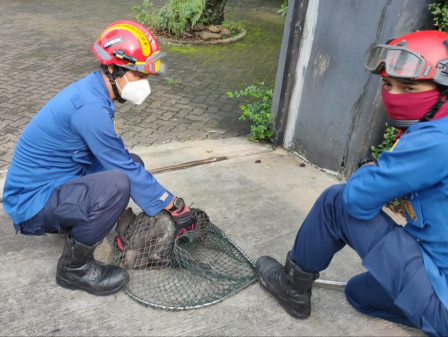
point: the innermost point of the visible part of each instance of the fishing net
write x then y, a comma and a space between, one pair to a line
200, 268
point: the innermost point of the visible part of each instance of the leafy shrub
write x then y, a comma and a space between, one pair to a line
258, 112
389, 139
142, 13
173, 16
387, 143
176, 14
440, 12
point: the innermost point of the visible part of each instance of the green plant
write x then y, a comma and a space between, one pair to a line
258, 112
176, 14
173, 16
284, 8
440, 12
234, 27
207, 16
142, 13
389, 139
172, 81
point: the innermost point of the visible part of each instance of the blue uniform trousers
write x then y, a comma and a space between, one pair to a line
396, 286
87, 207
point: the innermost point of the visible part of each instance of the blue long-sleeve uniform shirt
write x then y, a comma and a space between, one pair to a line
71, 136
417, 170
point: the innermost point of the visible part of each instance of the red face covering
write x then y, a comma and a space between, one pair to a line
406, 109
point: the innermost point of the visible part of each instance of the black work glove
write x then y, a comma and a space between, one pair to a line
182, 217
124, 220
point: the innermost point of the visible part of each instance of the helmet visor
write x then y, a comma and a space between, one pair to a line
396, 61
154, 64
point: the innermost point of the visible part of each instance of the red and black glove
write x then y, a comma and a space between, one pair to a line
124, 220
182, 217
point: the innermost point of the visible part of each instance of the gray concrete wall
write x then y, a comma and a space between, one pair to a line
331, 111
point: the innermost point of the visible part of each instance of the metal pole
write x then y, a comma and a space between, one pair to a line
329, 283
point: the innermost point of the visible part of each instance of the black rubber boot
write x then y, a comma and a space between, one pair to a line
289, 284
77, 269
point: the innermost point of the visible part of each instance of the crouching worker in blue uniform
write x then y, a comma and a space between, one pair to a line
70, 171
407, 267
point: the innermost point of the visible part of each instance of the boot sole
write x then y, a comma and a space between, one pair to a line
284, 302
70, 285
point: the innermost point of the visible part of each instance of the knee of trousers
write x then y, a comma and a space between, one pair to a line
110, 189
354, 291
364, 293
330, 202
109, 195
333, 192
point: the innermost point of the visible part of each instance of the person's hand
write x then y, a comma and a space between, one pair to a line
182, 217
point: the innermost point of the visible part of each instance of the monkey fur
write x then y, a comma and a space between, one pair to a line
149, 240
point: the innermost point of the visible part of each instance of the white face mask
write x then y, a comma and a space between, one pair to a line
135, 92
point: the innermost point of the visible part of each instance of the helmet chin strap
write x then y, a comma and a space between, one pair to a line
430, 114
117, 72
401, 123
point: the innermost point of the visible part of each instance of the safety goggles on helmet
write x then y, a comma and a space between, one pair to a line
396, 61
153, 65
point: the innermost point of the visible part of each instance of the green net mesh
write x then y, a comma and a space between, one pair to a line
200, 268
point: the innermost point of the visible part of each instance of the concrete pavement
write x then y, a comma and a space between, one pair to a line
258, 195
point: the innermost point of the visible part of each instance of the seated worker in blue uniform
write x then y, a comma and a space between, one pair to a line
70, 171
407, 266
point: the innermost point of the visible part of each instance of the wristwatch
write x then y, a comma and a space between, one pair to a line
368, 160
177, 203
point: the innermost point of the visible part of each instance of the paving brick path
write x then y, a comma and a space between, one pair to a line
46, 46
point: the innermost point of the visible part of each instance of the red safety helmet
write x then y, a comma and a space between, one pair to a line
420, 55
130, 45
